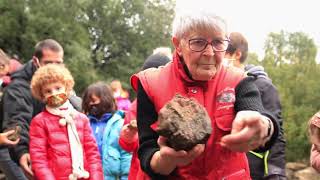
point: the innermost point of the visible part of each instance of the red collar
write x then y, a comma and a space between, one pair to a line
182, 74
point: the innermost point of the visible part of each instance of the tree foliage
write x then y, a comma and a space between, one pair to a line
124, 33
290, 60
103, 40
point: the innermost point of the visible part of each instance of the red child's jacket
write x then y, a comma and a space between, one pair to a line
50, 150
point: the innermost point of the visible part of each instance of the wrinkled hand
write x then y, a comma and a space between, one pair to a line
181, 158
129, 134
4, 138
25, 163
249, 131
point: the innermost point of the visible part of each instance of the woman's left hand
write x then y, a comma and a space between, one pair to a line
181, 157
249, 131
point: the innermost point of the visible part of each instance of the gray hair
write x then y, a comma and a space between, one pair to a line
164, 51
194, 20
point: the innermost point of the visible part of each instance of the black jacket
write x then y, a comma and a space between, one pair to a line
271, 102
19, 107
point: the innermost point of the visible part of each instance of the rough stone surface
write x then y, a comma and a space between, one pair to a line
301, 171
16, 134
184, 122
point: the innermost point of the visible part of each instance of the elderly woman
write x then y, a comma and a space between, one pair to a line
200, 40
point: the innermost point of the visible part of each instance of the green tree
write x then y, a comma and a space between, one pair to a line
12, 23
103, 40
290, 62
274, 49
123, 34
301, 49
57, 19
62, 20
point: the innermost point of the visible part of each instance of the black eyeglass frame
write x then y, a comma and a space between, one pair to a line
207, 42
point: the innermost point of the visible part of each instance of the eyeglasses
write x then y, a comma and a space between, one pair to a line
218, 45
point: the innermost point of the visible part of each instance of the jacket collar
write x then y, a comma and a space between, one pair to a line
104, 118
183, 73
26, 72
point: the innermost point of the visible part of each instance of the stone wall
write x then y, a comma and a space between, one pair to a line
301, 171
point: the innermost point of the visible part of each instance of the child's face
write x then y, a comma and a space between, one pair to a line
52, 89
95, 106
94, 100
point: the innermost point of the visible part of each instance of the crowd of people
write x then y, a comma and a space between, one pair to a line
48, 132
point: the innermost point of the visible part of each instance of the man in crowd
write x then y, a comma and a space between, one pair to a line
271, 164
19, 107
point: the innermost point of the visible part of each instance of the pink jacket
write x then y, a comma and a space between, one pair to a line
315, 157
50, 151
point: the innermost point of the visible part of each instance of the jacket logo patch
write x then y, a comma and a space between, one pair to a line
226, 98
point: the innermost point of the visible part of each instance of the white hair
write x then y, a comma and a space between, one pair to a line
190, 17
166, 51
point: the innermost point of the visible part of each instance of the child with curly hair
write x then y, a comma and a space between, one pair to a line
106, 122
61, 142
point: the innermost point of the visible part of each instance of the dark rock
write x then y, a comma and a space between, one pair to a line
16, 134
184, 122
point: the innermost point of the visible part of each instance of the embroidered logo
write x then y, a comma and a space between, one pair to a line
226, 96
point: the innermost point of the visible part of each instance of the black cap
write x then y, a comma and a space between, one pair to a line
155, 61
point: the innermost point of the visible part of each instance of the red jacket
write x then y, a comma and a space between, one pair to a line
50, 151
217, 96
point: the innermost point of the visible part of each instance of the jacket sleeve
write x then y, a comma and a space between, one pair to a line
125, 157
125, 144
248, 98
18, 110
315, 157
91, 152
132, 144
146, 116
271, 103
270, 98
38, 150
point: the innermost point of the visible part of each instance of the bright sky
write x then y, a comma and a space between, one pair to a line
256, 18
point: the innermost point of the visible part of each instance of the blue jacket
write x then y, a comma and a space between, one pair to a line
116, 161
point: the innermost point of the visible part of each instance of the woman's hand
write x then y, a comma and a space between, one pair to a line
249, 131
167, 159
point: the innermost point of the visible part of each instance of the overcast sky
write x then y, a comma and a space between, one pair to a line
256, 18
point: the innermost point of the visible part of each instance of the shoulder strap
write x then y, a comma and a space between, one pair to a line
76, 102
